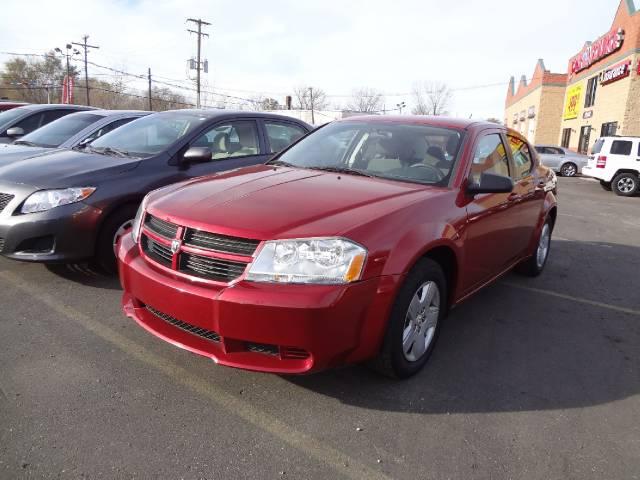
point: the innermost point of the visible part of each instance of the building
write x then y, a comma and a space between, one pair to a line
600, 95
535, 108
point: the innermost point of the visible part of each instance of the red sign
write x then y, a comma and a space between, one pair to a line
617, 72
67, 90
597, 50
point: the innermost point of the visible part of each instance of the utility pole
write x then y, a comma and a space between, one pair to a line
313, 118
68, 47
86, 71
200, 34
150, 106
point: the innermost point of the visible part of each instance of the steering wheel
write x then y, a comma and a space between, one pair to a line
433, 170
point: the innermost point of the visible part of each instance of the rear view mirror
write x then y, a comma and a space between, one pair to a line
490, 183
15, 132
197, 155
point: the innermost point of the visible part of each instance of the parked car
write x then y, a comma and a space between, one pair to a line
8, 105
73, 130
349, 246
562, 160
72, 205
615, 161
19, 121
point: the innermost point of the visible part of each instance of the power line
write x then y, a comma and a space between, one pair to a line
86, 48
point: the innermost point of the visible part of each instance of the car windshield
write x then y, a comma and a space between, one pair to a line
9, 116
59, 131
150, 135
404, 152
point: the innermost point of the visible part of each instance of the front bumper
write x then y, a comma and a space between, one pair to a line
257, 326
62, 234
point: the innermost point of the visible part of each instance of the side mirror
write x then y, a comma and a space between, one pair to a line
86, 142
197, 155
15, 132
490, 183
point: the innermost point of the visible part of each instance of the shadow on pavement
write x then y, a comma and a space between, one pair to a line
510, 349
85, 274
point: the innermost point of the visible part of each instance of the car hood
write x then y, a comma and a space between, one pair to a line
263, 202
65, 168
11, 153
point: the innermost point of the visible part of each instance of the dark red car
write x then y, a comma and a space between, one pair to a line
349, 246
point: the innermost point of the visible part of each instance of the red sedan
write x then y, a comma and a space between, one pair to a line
349, 246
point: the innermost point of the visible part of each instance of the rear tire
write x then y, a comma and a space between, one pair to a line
114, 226
569, 169
534, 265
625, 184
605, 185
414, 322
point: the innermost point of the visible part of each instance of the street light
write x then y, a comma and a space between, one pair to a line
67, 55
400, 106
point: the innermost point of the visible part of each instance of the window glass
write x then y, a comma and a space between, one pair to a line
281, 135
521, 157
6, 118
542, 150
150, 135
52, 115
566, 137
403, 152
621, 147
30, 123
590, 98
107, 128
490, 157
597, 147
55, 133
232, 139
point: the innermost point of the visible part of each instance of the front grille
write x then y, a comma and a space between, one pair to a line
1, 244
264, 348
187, 327
220, 243
157, 251
211, 268
160, 227
5, 198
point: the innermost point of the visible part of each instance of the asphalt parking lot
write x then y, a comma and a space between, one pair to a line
531, 379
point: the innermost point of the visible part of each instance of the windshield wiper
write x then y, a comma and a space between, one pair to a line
26, 143
281, 163
110, 151
345, 170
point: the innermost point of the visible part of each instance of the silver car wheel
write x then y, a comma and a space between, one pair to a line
543, 246
626, 185
569, 170
421, 321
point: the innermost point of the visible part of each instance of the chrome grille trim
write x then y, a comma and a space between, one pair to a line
187, 327
157, 251
220, 243
211, 268
160, 227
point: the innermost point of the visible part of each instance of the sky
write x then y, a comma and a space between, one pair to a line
268, 48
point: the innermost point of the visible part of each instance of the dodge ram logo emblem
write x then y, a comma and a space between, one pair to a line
175, 246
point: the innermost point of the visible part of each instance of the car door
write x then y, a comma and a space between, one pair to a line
527, 197
233, 143
491, 236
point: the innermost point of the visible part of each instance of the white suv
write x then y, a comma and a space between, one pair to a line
615, 161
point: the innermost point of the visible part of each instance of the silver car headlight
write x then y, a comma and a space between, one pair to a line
309, 260
137, 222
48, 199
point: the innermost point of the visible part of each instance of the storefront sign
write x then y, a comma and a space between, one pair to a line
587, 114
574, 94
602, 47
617, 72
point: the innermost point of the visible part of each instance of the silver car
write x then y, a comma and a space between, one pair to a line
562, 160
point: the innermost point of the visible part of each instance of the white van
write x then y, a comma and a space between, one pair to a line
615, 161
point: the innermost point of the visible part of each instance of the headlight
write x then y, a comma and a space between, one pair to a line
137, 222
48, 199
313, 260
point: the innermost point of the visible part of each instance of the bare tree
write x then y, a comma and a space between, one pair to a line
310, 98
431, 98
366, 100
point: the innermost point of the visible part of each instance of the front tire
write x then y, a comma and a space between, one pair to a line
625, 184
414, 323
569, 170
533, 266
113, 228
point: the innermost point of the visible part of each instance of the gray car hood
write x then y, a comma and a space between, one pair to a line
12, 153
66, 168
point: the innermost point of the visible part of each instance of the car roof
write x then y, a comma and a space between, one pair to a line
222, 113
434, 121
54, 106
114, 113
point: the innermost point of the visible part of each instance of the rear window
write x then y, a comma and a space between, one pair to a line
621, 147
597, 147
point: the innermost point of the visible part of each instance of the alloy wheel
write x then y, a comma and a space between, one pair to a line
626, 185
421, 321
569, 170
543, 246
